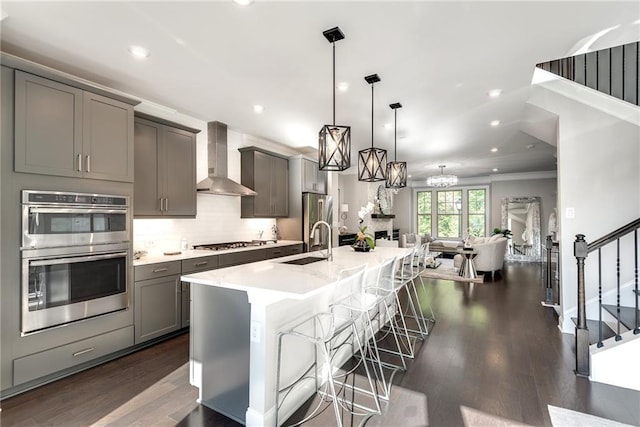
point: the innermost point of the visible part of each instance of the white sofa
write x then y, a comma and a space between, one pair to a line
491, 252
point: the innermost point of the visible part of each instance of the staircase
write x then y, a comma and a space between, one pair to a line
615, 261
613, 71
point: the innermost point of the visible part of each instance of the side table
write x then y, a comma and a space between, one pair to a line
468, 269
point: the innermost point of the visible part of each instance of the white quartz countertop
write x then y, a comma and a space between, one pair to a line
196, 253
274, 279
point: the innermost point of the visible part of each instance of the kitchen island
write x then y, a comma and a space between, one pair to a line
236, 314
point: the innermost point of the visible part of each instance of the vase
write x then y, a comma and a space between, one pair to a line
361, 246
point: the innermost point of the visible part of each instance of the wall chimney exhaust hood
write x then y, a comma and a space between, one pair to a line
217, 181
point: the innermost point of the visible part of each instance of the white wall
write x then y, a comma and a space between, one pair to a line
598, 172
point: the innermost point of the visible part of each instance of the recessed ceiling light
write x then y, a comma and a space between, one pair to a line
495, 123
530, 146
408, 176
343, 86
388, 126
139, 52
494, 150
258, 109
494, 93
495, 169
243, 2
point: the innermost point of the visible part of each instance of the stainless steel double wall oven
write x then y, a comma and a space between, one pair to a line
76, 253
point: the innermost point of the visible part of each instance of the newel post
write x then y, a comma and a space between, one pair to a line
548, 300
582, 332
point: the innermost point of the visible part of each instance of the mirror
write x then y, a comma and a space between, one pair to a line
521, 215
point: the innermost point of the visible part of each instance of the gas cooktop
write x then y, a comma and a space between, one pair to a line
230, 245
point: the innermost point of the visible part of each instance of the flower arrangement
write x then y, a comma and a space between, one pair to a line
364, 240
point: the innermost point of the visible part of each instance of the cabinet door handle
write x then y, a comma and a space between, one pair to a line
88, 165
160, 270
200, 264
166, 204
79, 161
85, 351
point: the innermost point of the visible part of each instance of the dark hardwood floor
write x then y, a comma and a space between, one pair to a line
494, 357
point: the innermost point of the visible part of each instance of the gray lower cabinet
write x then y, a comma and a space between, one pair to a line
281, 251
65, 131
56, 359
157, 300
165, 170
267, 174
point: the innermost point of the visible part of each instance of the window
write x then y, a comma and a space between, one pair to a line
449, 213
476, 212
424, 212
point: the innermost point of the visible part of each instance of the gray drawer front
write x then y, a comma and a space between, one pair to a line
161, 269
245, 257
47, 362
283, 251
194, 265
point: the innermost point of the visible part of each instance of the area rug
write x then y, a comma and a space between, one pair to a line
561, 417
446, 272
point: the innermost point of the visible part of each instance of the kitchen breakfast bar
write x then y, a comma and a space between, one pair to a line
236, 315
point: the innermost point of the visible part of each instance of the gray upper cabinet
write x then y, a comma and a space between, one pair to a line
165, 170
313, 179
268, 175
65, 131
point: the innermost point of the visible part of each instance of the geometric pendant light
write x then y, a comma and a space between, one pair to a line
396, 176
334, 142
372, 162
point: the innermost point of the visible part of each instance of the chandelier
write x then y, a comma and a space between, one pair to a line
334, 142
372, 162
442, 180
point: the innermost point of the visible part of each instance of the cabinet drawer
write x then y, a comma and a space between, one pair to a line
47, 362
160, 269
195, 265
245, 257
283, 251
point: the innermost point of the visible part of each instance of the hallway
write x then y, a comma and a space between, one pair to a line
495, 357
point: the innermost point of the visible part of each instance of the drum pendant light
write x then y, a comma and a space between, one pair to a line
396, 176
334, 142
372, 162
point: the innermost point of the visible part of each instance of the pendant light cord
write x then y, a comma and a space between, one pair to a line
371, 115
395, 135
334, 83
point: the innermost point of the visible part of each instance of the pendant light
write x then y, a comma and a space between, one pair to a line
396, 176
334, 142
372, 161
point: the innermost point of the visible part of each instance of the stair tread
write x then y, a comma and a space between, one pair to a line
627, 314
592, 325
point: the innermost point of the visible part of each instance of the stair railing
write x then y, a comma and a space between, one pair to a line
552, 273
581, 250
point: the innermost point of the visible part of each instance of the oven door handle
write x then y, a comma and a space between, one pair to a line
71, 260
77, 210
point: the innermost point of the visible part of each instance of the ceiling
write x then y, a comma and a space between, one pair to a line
216, 60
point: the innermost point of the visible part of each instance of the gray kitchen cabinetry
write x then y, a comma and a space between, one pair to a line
157, 300
193, 265
65, 131
165, 169
267, 174
313, 179
66, 356
281, 251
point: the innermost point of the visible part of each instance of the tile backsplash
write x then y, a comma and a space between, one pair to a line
218, 220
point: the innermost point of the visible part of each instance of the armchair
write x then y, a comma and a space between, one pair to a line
409, 240
491, 252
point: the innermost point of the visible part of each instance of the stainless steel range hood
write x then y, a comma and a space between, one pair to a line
217, 181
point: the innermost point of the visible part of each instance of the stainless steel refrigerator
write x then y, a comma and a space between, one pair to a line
316, 207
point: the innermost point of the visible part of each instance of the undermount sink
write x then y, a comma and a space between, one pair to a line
304, 261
